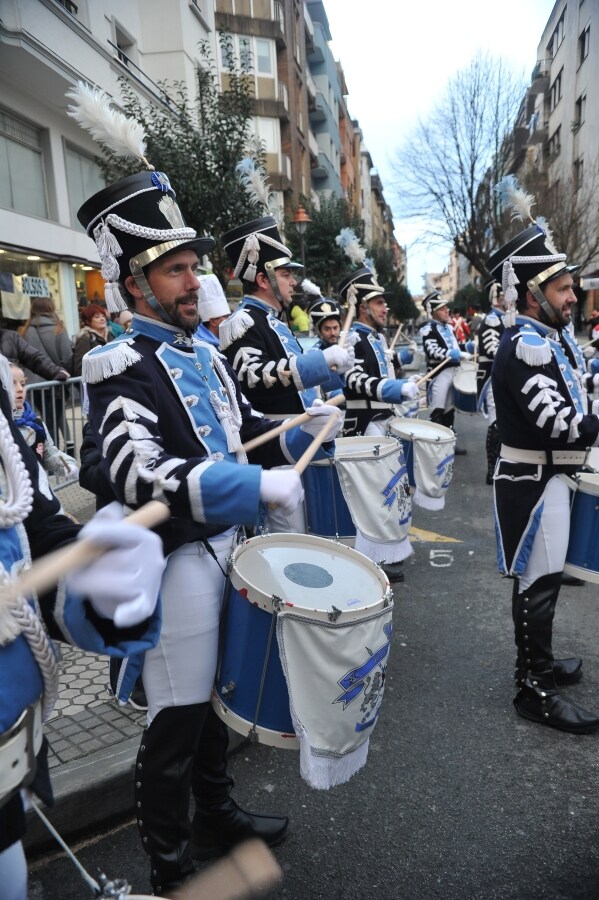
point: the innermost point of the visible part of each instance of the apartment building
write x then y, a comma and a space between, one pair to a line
47, 163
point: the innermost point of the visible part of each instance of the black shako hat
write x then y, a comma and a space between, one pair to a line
257, 247
134, 222
322, 310
434, 301
532, 258
359, 287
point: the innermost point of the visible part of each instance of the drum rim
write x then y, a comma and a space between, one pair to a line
586, 478
270, 737
386, 443
447, 434
465, 374
258, 596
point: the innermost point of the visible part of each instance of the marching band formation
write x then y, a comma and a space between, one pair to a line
231, 425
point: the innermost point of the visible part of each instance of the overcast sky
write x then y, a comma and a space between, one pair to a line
397, 56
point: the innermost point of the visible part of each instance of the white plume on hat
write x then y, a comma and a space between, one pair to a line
212, 302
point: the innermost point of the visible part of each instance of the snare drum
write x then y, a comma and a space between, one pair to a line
300, 575
327, 512
582, 558
429, 451
464, 389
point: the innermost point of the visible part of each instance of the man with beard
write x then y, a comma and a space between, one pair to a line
169, 417
545, 430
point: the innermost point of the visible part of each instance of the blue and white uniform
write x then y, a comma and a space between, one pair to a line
277, 377
488, 336
439, 342
545, 430
169, 418
371, 388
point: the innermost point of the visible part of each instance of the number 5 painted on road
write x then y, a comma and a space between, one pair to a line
441, 558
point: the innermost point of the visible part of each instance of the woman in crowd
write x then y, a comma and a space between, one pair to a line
94, 333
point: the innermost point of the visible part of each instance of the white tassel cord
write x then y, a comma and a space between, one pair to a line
533, 350
425, 502
324, 772
91, 109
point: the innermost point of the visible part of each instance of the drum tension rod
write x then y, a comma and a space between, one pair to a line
277, 604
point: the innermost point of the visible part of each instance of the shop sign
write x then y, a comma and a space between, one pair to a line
35, 287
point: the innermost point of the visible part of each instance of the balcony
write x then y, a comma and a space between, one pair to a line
271, 108
272, 29
281, 180
313, 148
539, 81
323, 168
320, 110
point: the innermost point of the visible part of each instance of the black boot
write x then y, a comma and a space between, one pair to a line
219, 823
538, 698
493, 447
162, 791
565, 671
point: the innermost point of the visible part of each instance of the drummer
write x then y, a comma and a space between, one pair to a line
488, 337
545, 432
440, 344
168, 414
371, 389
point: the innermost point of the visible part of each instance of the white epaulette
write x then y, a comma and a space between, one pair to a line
234, 327
111, 359
532, 348
493, 319
425, 329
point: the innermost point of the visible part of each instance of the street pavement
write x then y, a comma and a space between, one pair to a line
459, 798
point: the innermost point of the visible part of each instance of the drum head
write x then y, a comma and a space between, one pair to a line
465, 380
310, 574
420, 430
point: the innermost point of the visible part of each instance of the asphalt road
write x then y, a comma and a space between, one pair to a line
460, 798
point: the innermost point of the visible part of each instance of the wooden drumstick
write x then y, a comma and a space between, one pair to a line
309, 454
431, 373
249, 869
396, 338
288, 424
47, 571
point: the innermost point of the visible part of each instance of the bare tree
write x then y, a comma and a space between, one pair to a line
445, 170
568, 202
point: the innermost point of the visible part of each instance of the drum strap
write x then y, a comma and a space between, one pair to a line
543, 458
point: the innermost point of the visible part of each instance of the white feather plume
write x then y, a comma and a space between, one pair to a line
308, 287
91, 109
252, 177
514, 198
549, 239
349, 243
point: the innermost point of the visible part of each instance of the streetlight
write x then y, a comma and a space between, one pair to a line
301, 220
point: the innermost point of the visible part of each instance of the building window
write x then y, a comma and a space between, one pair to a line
125, 46
22, 184
555, 91
578, 173
83, 180
70, 7
583, 44
263, 57
557, 36
554, 144
581, 106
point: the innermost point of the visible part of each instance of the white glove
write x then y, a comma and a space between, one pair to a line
464, 355
319, 415
123, 583
414, 378
341, 358
409, 390
283, 487
69, 465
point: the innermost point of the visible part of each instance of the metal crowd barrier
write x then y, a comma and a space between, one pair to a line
59, 404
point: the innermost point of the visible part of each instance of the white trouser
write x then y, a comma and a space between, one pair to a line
550, 544
440, 394
13, 873
180, 670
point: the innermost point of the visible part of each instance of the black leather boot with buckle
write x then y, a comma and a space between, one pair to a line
538, 698
219, 823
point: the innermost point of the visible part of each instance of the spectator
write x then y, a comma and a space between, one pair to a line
45, 331
94, 333
35, 432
